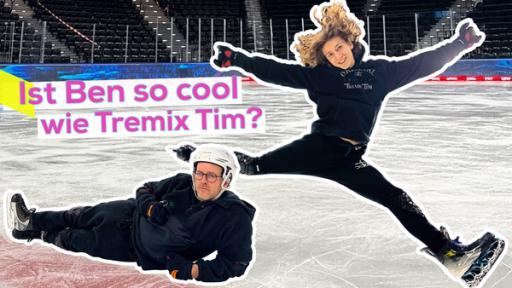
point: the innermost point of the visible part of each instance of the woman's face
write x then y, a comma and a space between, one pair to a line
339, 52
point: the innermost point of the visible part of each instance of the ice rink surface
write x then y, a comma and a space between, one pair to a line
449, 146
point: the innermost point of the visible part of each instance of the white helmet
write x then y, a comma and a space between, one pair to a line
220, 156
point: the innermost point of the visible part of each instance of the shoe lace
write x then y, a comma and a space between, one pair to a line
24, 210
454, 248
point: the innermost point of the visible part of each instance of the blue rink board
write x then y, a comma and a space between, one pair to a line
62, 72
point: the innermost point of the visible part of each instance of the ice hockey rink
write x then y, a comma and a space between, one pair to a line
448, 145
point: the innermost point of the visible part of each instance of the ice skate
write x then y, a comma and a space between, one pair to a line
485, 262
18, 214
470, 263
28, 235
248, 165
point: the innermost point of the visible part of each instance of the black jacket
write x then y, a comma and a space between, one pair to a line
348, 101
195, 229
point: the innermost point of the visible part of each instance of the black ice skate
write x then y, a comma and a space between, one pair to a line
28, 235
470, 263
18, 214
490, 252
248, 165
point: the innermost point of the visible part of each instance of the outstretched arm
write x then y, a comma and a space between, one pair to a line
266, 68
430, 61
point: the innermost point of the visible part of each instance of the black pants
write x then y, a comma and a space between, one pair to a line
339, 161
103, 230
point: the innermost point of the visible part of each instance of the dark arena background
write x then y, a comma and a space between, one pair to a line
166, 31
447, 141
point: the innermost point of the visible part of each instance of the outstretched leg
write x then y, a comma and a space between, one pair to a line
368, 182
334, 159
330, 157
311, 153
103, 230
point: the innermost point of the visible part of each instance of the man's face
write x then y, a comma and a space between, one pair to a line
339, 52
207, 180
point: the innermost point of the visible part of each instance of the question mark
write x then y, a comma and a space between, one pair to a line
255, 117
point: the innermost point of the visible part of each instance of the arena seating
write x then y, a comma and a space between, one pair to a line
493, 17
31, 45
294, 12
72, 23
110, 19
280, 11
400, 24
209, 11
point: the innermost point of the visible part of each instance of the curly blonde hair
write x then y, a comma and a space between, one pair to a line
335, 20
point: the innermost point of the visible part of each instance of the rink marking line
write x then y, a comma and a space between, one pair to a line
340, 278
504, 276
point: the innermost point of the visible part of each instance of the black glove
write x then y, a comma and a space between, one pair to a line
179, 267
157, 212
248, 165
183, 152
224, 57
468, 35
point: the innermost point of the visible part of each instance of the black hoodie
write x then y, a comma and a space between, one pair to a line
348, 101
195, 229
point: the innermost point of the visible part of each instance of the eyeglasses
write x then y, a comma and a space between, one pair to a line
210, 177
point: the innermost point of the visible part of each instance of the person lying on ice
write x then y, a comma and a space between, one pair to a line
170, 225
349, 88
